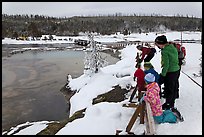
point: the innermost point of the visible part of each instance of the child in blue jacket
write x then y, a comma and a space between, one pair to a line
148, 68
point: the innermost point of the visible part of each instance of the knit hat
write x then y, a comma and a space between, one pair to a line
148, 65
149, 78
161, 39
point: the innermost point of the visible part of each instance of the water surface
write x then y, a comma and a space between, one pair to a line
31, 82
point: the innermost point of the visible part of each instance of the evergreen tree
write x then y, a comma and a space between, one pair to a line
33, 29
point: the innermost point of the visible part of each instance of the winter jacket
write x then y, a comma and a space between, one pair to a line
152, 71
146, 51
152, 96
169, 61
139, 74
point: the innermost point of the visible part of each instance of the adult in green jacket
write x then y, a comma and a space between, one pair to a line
169, 60
169, 75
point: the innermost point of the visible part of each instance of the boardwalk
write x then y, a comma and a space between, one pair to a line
120, 45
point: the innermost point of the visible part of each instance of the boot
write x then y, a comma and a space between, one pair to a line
177, 114
166, 106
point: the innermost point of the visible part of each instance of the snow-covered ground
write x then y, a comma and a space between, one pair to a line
105, 118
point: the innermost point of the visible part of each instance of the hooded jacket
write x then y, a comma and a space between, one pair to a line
152, 96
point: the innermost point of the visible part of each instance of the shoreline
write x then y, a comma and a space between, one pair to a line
68, 93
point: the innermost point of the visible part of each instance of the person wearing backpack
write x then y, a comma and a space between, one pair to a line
181, 56
170, 70
181, 52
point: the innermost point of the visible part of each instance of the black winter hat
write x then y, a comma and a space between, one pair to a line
161, 39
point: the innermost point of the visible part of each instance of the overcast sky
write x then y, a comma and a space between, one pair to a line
69, 9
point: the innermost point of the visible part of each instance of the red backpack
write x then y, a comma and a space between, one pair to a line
181, 53
181, 50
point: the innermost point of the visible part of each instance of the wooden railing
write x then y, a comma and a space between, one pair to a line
119, 45
149, 120
143, 110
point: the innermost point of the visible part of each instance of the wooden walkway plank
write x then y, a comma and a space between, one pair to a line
150, 124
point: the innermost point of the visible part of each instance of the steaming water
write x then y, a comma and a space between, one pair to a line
31, 82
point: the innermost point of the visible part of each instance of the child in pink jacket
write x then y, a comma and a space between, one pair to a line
152, 96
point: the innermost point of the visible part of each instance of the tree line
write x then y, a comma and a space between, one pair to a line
37, 25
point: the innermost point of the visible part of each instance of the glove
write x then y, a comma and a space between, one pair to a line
161, 79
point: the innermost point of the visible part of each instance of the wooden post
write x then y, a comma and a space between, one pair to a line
145, 113
132, 105
150, 125
133, 118
142, 113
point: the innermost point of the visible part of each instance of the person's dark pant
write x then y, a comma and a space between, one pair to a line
163, 94
149, 57
171, 85
177, 93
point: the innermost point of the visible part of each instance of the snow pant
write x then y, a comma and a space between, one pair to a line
177, 91
166, 117
171, 85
